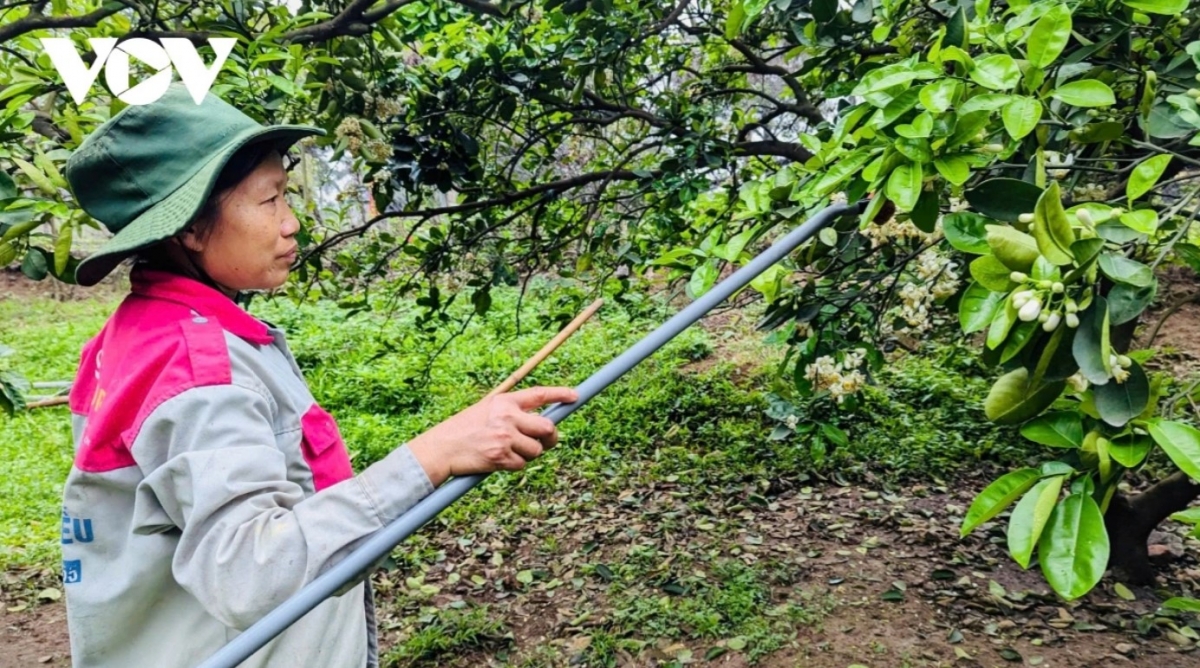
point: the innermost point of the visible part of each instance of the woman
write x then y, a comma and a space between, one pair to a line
208, 486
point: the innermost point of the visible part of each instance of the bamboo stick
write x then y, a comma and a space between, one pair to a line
518, 375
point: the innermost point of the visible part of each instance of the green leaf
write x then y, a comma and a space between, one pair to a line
1181, 442
916, 150
824, 10
1060, 429
1129, 450
900, 105
703, 278
926, 213
835, 435
983, 102
849, 164
7, 253
1029, 518
997, 72
1001, 325
1091, 346
1073, 548
991, 273
62, 247
939, 96
953, 168
1012, 401
1086, 93
734, 20
1183, 604
1145, 175
1018, 339
1051, 228
1093, 133
1021, 116
904, 186
977, 307
1118, 403
1189, 516
8, 188
882, 78
997, 496
1014, 249
1165, 7
1123, 270
1142, 221
1126, 302
966, 232
34, 265
1004, 199
287, 86
956, 30
1049, 36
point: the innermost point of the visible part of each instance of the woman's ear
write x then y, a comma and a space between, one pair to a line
191, 240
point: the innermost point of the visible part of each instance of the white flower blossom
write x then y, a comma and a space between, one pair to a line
1078, 382
839, 379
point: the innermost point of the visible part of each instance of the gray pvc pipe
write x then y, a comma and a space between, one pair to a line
381, 543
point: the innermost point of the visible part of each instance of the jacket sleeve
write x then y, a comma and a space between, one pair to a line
249, 538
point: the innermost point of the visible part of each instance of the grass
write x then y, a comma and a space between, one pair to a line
35, 446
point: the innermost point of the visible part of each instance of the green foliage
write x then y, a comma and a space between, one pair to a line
35, 446
447, 634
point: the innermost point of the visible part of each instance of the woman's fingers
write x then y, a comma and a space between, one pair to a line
527, 448
537, 427
536, 397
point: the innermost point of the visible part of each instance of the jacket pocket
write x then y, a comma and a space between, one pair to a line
323, 448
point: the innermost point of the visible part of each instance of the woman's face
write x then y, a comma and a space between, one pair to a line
251, 245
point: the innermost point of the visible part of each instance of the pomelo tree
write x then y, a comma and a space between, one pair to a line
1031, 168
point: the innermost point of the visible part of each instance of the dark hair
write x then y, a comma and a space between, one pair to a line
239, 166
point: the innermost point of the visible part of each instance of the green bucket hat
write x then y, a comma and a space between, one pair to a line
146, 171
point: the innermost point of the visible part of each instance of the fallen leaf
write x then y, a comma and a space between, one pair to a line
1124, 592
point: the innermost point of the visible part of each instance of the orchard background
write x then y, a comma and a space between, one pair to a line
967, 415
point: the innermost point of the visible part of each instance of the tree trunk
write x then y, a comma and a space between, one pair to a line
1130, 520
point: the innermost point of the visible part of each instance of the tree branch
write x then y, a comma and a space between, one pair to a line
32, 22
503, 200
356, 21
782, 149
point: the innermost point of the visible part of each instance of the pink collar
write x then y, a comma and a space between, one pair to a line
202, 299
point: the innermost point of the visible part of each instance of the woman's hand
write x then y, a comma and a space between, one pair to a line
498, 433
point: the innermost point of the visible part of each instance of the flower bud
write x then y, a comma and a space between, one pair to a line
1045, 285
1051, 323
1072, 320
1030, 311
992, 148
1184, 21
1018, 277
1043, 316
1072, 307
1084, 216
1021, 298
1124, 361
1025, 218
1058, 287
